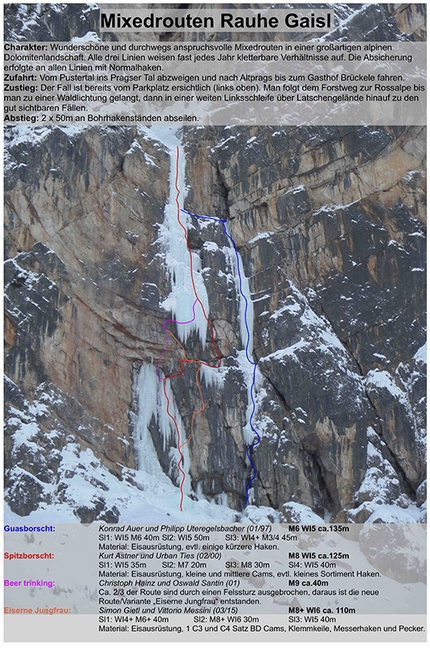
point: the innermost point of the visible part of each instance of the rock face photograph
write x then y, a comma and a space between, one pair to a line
219, 323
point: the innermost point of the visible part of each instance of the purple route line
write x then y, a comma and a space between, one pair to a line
172, 321
253, 445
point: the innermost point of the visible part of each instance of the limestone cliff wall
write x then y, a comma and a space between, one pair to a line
329, 224
329, 227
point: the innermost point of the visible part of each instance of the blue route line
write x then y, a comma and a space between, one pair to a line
248, 341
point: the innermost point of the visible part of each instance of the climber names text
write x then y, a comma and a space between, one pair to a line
214, 83
160, 570
293, 570
254, 580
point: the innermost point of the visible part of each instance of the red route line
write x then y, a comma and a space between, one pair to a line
198, 411
191, 261
185, 360
198, 387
